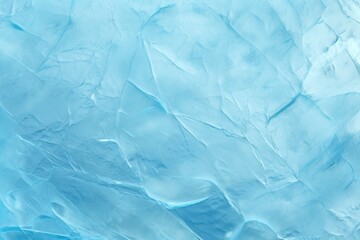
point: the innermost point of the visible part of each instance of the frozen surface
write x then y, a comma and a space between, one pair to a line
179, 120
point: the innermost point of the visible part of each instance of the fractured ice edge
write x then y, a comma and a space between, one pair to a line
179, 120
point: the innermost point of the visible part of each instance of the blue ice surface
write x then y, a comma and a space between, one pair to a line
179, 120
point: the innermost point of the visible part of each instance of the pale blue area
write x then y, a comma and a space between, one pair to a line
179, 120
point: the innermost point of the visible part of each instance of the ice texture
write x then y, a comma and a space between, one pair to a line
179, 120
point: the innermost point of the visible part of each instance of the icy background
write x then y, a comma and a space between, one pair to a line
179, 120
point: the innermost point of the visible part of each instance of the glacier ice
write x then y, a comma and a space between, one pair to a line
179, 120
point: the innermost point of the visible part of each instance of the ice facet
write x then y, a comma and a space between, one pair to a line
179, 120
